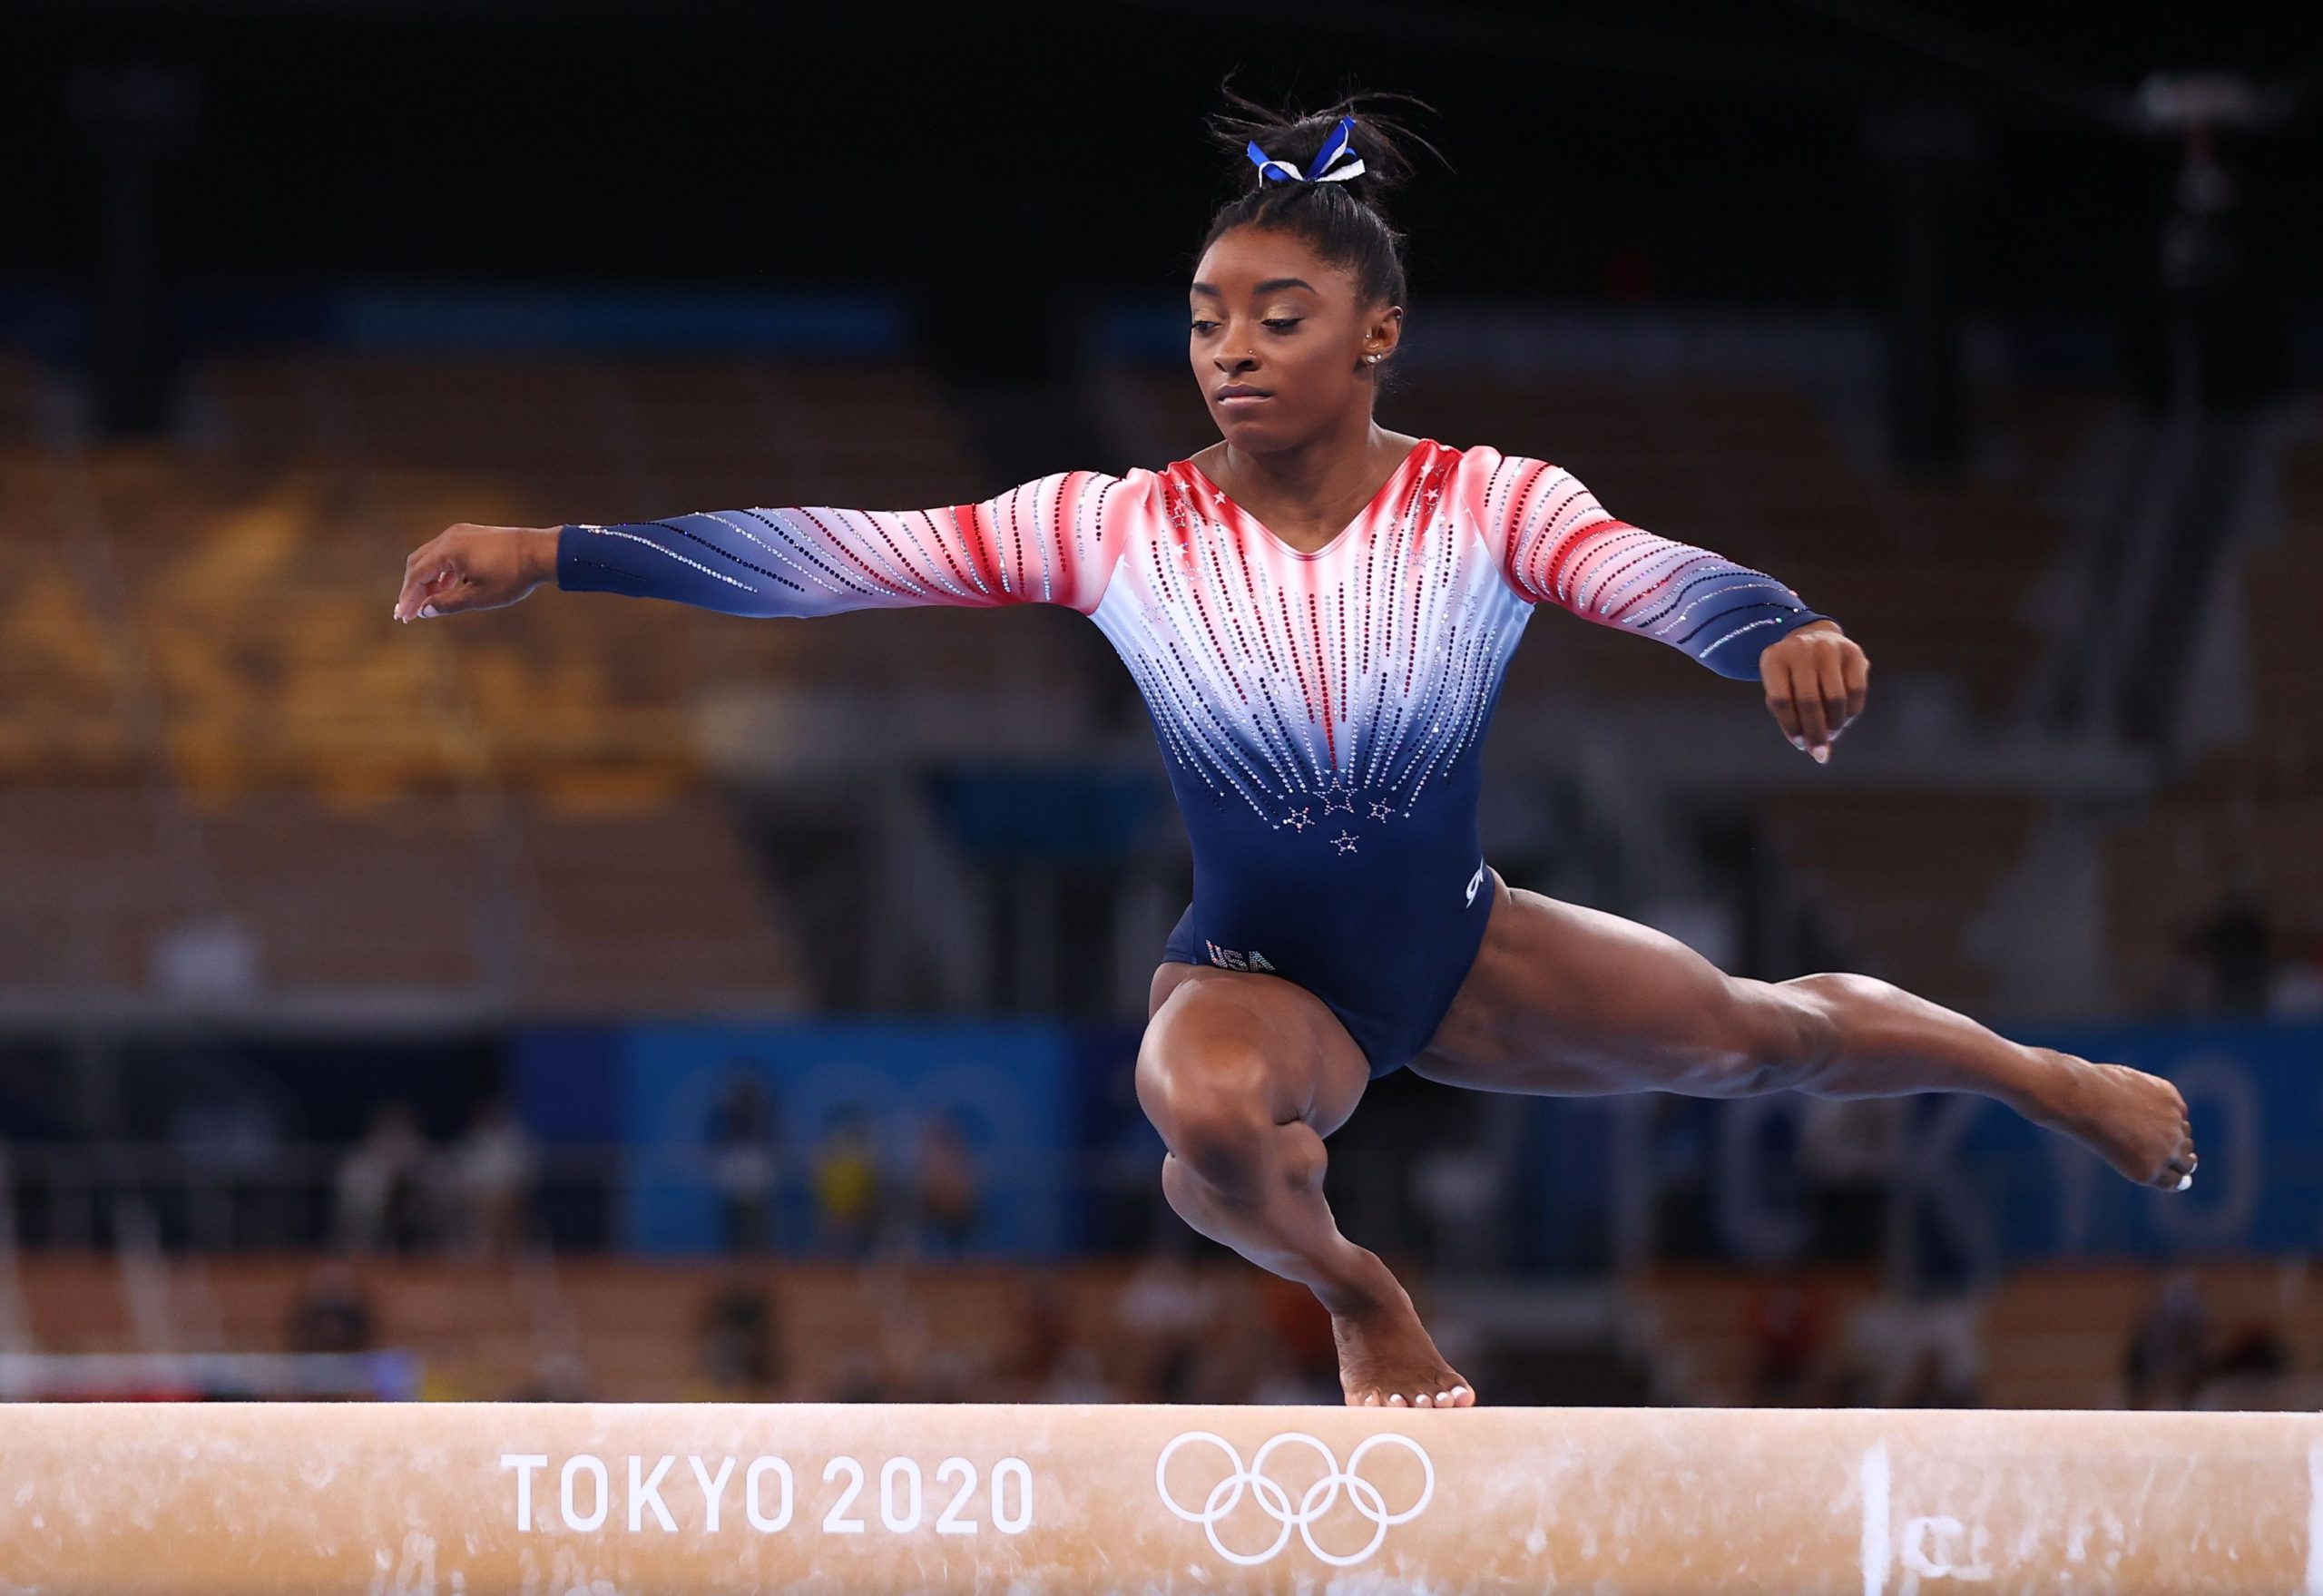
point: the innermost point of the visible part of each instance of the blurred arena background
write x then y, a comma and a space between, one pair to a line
611, 1000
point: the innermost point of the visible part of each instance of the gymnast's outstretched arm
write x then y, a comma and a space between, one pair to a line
1559, 545
1054, 540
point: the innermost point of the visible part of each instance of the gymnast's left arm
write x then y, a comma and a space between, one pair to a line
1054, 540
1559, 545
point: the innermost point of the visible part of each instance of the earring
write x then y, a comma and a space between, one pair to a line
1372, 359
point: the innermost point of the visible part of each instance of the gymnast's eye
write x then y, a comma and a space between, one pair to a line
1284, 323
1204, 325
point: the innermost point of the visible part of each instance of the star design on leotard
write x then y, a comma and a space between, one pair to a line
1339, 796
1344, 842
1297, 819
1381, 812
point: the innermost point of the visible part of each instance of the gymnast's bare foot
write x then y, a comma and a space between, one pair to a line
2134, 1122
1387, 1359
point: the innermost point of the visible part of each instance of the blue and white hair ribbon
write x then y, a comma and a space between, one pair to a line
1319, 170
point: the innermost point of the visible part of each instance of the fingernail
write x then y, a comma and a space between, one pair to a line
427, 611
1800, 743
1823, 755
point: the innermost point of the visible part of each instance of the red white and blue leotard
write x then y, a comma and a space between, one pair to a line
1321, 714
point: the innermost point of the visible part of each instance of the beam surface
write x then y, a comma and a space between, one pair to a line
540, 1499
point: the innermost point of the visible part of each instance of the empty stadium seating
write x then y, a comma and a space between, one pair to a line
546, 910
211, 717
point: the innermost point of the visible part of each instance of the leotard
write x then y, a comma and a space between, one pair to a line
1321, 713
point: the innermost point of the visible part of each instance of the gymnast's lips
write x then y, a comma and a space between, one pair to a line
1241, 394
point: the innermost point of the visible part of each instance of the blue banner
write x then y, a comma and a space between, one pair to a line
1974, 1186
831, 1119
2255, 1092
822, 1137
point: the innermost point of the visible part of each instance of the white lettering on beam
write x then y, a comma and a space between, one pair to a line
770, 1491
647, 1492
1951, 1542
712, 1490
524, 1462
1871, 1483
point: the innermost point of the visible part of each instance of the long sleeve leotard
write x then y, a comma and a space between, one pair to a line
1321, 713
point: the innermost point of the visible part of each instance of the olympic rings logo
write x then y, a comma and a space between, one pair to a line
1316, 1500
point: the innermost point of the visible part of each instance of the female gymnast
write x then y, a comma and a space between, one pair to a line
1317, 611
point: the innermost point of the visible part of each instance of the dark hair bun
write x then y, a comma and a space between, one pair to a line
1296, 138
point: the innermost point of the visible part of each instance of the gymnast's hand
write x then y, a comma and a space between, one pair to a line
468, 567
1815, 679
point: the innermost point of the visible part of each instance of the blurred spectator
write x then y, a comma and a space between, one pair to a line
214, 957
2298, 990
380, 1201
941, 1373
744, 1135
2169, 1350
2251, 1376
1280, 1380
1037, 1342
1789, 1323
847, 1186
228, 1137
1298, 1357
1228, 1364
1679, 1136
1848, 1151
2233, 952
857, 1378
493, 1167
944, 1186
332, 1314
1302, 1331
742, 1347
558, 1376
230, 1149
1458, 1188
1079, 1376
1165, 1310
1935, 1380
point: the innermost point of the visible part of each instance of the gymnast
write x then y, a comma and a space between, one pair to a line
1317, 612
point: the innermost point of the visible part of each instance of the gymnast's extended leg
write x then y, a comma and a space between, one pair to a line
1566, 1000
1244, 1075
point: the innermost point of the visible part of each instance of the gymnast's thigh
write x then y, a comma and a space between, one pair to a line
1565, 1000
1247, 1038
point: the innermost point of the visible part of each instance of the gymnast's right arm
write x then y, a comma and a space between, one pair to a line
1054, 540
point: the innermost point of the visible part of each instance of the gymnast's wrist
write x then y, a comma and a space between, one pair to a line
537, 548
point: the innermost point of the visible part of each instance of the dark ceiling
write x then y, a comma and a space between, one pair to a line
996, 153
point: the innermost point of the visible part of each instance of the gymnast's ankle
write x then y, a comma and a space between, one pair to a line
1364, 1286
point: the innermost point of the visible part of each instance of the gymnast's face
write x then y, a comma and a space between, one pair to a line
1272, 317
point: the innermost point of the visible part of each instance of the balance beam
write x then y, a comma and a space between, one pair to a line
300, 1499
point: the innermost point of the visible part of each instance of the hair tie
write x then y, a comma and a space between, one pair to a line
1319, 170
